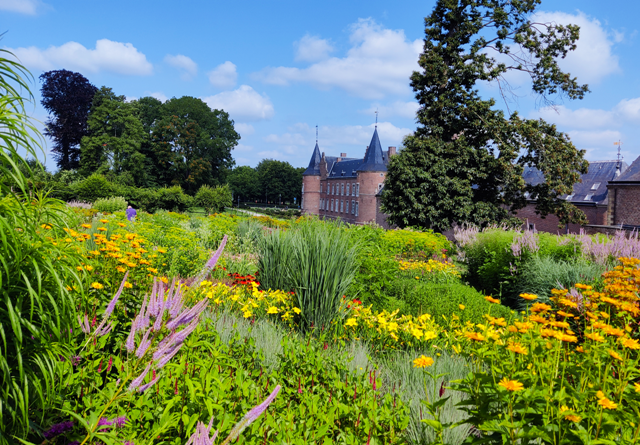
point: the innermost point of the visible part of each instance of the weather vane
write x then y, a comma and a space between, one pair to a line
619, 144
316, 133
376, 118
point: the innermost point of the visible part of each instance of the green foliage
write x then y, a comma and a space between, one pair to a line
243, 181
543, 273
317, 261
412, 243
464, 163
214, 199
279, 181
418, 297
35, 307
93, 188
110, 205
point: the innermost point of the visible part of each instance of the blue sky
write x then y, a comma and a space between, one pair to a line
281, 67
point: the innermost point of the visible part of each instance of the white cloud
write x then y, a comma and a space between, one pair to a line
598, 144
272, 154
159, 95
29, 7
582, 118
378, 63
244, 129
397, 108
629, 110
224, 75
243, 147
592, 59
187, 67
312, 49
110, 56
243, 104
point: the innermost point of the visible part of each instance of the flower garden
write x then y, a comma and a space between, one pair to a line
184, 329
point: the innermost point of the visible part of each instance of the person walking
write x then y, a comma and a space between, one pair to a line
131, 213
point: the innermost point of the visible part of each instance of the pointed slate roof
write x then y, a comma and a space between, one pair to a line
631, 174
374, 157
314, 164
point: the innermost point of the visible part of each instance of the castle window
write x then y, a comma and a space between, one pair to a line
333, 189
332, 205
357, 190
303, 187
588, 197
595, 186
379, 187
342, 189
353, 207
353, 189
348, 189
357, 207
346, 206
570, 197
341, 206
320, 187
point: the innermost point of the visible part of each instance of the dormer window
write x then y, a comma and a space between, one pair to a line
595, 186
588, 197
570, 197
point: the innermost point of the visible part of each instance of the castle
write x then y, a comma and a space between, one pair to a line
346, 188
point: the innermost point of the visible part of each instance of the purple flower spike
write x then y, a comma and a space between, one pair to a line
144, 345
104, 331
58, 429
163, 360
84, 324
120, 422
143, 388
211, 263
138, 380
201, 435
112, 304
252, 415
131, 339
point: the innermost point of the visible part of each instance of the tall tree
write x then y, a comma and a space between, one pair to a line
243, 181
464, 163
115, 137
194, 143
279, 181
67, 96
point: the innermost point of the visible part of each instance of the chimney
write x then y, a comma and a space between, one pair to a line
392, 151
343, 155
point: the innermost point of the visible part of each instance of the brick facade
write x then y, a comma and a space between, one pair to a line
624, 204
596, 215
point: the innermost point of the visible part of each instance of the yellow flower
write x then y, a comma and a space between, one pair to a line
528, 296
165, 280
573, 418
162, 250
121, 224
511, 385
351, 322
46, 226
417, 333
607, 404
636, 387
429, 335
517, 348
630, 343
595, 337
104, 221
297, 310
461, 306
102, 229
97, 285
422, 362
128, 285
272, 310
86, 226
615, 355
492, 300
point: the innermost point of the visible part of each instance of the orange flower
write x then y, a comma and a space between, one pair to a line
528, 296
540, 307
595, 337
615, 355
607, 404
630, 343
511, 385
475, 336
492, 300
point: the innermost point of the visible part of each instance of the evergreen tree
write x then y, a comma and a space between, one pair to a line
465, 161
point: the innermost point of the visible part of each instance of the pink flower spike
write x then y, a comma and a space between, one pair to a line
143, 388
201, 435
144, 345
112, 304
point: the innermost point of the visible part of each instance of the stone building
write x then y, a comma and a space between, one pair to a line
346, 188
592, 195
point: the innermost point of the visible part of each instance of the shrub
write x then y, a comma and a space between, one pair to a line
111, 205
214, 199
414, 297
316, 260
93, 187
411, 243
541, 274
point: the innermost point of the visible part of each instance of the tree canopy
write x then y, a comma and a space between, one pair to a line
67, 96
465, 161
271, 180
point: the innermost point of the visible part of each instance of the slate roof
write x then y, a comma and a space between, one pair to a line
592, 189
314, 164
374, 157
374, 160
630, 174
